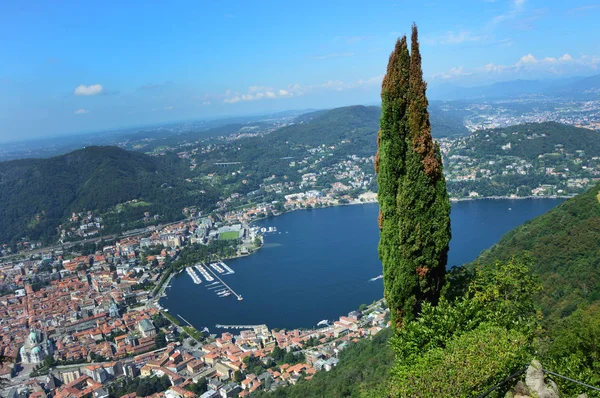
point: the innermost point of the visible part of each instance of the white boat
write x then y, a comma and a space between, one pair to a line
226, 268
204, 273
217, 268
324, 322
197, 280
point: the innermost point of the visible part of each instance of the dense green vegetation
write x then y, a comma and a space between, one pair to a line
463, 347
414, 214
573, 348
38, 194
564, 245
141, 386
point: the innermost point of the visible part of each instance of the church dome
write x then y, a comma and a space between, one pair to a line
36, 350
33, 336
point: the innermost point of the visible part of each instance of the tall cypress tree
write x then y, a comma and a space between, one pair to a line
414, 207
390, 163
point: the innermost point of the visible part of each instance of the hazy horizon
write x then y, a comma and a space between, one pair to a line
77, 68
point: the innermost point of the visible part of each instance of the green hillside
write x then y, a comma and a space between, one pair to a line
528, 141
564, 245
554, 158
356, 124
37, 194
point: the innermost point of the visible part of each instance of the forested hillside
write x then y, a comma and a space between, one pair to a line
564, 245
37, 194
530, 159
529, 141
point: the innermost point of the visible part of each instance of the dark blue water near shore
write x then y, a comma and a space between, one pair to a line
318, 264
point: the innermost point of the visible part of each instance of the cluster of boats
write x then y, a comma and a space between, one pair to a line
221, 290
219, 267
197, 280
204, 272
210, 272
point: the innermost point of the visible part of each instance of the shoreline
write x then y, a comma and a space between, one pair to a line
512, 198
358, 202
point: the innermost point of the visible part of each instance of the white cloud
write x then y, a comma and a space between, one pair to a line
453, 73
93, 89
256, 93
334, 84
255, 89
451, 38
492, 68
81, 111
530, 66
233, 99
169, 108
528, 59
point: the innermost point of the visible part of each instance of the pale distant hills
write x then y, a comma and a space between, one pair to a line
581, 88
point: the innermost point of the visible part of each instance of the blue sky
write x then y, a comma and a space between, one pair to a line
88, 66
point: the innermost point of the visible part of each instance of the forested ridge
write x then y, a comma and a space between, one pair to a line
564, 247
37, 194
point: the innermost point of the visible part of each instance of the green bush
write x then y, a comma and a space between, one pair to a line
468, 366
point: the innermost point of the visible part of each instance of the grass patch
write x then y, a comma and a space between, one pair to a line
228, 235
172, 318
139, 203
193, 332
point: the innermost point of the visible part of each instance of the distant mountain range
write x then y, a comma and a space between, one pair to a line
37, 195
583, 88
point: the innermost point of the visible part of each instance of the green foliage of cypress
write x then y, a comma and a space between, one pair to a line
392, 145
414, 207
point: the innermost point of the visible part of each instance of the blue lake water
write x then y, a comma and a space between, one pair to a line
319, 262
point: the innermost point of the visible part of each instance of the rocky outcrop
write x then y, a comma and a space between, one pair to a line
536, 385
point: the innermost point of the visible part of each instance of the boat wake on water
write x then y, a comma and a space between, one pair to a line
377, 277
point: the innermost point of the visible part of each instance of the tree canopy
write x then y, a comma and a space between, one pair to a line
414, 208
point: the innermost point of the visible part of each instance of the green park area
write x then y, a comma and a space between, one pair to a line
228, 235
